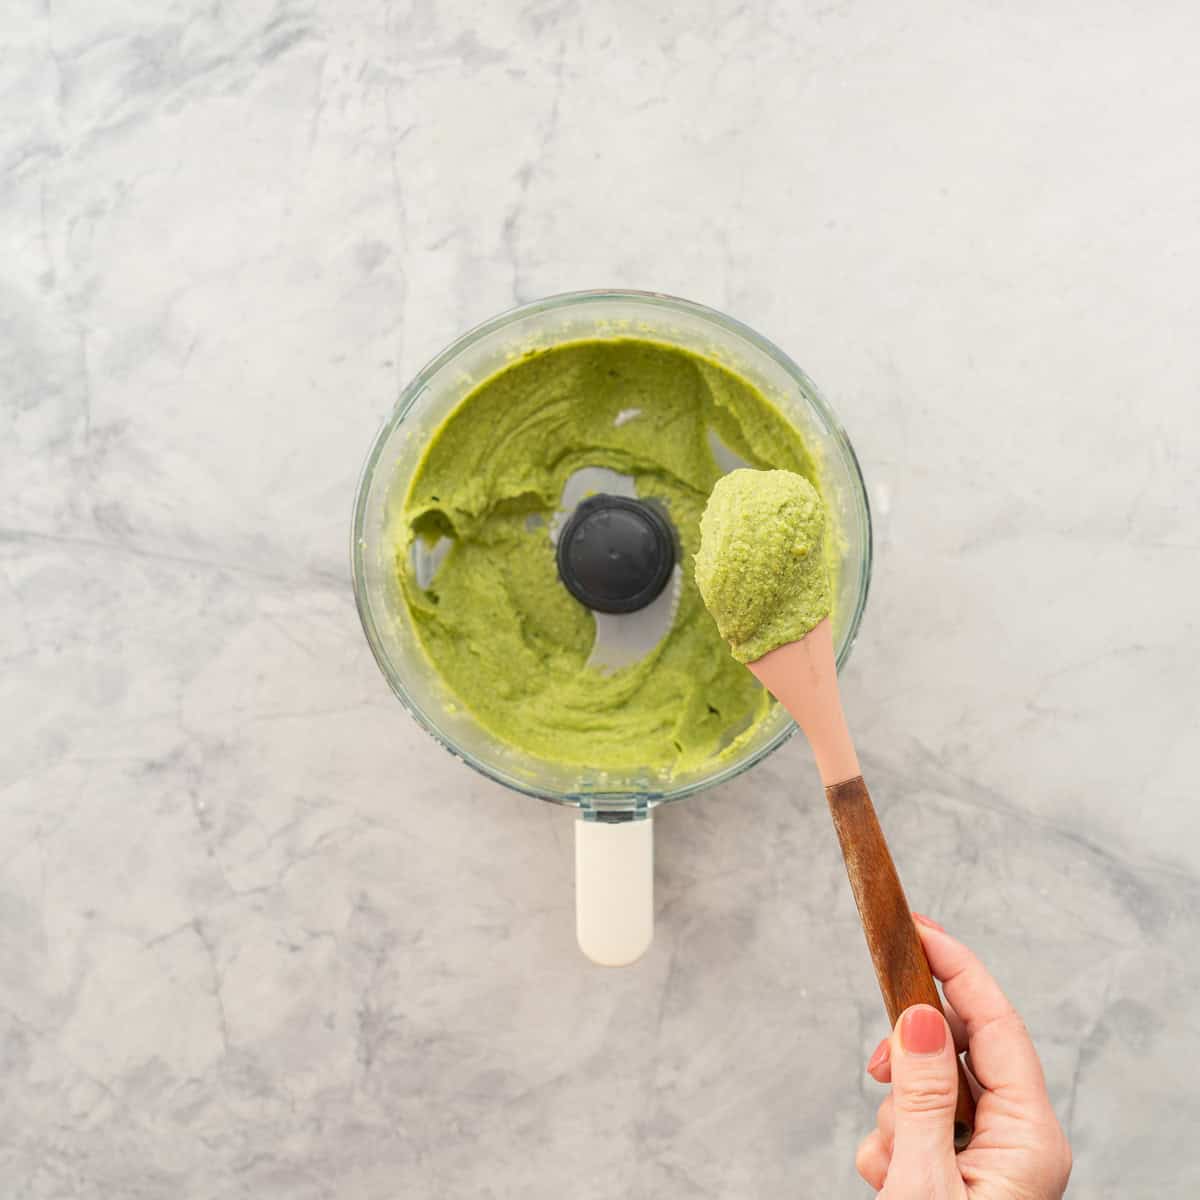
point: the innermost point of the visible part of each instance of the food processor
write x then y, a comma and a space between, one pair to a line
616, 555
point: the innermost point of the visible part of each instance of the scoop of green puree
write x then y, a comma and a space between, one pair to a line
761, 563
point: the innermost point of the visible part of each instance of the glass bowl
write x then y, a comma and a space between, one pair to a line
443, 383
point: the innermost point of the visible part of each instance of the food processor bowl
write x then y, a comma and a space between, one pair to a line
614, 855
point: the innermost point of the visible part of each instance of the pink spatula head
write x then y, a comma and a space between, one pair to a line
802, 676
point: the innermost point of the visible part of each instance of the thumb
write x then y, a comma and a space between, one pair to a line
924, 1091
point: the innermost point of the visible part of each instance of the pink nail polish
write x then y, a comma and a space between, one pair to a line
923, 1030
882, 1053
921, 919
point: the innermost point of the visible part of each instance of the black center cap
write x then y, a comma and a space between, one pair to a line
615, 554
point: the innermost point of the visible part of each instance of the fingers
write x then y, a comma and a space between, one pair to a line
1002, 1056
976, 996
873, 1159
924, 1092
875, 1150
885, 1122
879, 1066
958, 1027
911, 1149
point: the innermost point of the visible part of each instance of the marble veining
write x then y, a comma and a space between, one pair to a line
259, 936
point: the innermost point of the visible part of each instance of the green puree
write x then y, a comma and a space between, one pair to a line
761, 567
497, 625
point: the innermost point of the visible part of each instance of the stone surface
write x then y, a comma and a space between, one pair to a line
258, 935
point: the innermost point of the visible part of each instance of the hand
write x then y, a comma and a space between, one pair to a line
1018, 1151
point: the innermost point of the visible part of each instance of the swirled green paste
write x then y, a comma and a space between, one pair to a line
495, 622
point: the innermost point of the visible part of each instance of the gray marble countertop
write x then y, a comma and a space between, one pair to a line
259, 937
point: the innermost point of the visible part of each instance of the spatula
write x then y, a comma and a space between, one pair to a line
802, 676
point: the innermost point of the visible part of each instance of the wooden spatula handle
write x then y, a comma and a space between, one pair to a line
900, 964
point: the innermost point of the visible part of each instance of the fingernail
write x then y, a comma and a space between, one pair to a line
922, 1031
882, 1051
921, 919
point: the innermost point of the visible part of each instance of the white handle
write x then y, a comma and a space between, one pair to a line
614, 889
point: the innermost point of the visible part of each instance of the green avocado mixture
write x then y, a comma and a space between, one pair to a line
496, 623
761, 565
